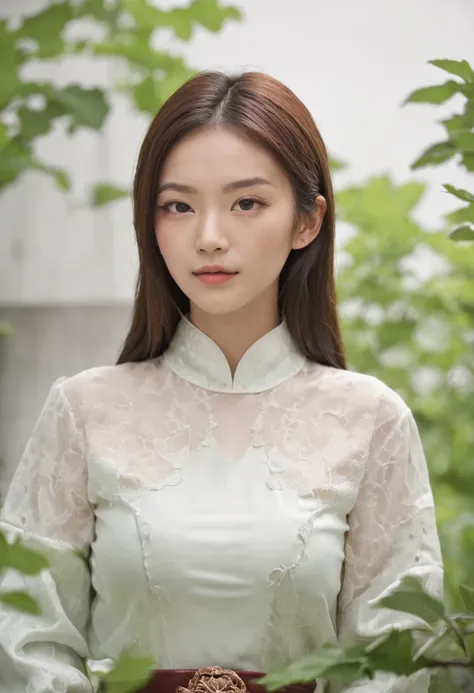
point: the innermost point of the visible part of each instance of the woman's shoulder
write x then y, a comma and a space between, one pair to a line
360, 391
107, 384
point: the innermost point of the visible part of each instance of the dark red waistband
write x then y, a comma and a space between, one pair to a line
213, 679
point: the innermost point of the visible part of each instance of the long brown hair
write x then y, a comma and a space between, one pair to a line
270, 114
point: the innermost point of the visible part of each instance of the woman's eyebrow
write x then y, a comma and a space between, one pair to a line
235, 185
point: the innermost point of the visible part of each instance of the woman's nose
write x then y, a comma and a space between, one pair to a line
210, 237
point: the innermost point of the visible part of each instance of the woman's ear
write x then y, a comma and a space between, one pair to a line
311, 225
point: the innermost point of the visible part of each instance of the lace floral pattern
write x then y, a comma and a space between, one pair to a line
48, 494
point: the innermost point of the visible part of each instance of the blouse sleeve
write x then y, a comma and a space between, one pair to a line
47, 506
392, 533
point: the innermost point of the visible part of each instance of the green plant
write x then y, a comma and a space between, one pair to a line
459, 142
441, 643
129, 30
16, 556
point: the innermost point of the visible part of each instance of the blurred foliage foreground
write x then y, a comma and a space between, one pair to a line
407, 298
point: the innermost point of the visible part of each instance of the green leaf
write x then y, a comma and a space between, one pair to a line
461, 215
395, 654
467, 595
327, 662
459, 193
436, 154
128, 672
468, 161
37, 123
460, 68
102, 194
88, 107
181, 21
211, 15
16, 158
20, 558
46, 28
145, 95
410, 598
10, 79
465, 141
463, 233
436, 94
20, 601
458, 123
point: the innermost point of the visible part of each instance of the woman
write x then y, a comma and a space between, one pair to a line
234, 497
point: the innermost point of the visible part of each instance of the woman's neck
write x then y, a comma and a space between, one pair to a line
234, 333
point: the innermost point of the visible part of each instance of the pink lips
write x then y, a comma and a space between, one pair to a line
214, 277
214, 274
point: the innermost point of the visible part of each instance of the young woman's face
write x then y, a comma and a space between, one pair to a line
225, 204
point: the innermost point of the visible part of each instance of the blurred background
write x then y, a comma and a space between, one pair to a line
79, 83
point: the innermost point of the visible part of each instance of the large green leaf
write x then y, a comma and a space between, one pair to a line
87, 107
20, 601
437, 154
460, 68
395, 654
327, 662
410, 598
436, 94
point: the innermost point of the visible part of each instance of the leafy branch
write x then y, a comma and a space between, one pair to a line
459, 142
129, 30
438, 643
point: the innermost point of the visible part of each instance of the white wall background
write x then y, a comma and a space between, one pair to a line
67, 273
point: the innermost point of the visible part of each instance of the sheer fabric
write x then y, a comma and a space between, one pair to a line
203, 519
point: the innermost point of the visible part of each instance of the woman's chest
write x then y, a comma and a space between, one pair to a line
224, 528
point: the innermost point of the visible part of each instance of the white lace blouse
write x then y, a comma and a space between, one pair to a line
242, 522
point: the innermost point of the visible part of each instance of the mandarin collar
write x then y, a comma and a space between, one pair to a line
195, 357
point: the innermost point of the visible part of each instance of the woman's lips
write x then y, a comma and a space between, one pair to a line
215, 277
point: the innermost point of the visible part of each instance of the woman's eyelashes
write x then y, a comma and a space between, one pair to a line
245, 204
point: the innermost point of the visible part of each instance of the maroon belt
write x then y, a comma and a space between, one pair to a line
213, 680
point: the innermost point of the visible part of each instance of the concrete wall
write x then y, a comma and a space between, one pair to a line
48, 342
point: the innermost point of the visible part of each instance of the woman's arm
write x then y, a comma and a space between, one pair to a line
47, 506
392, 533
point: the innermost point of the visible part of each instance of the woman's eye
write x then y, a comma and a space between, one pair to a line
177, 207
247, 204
